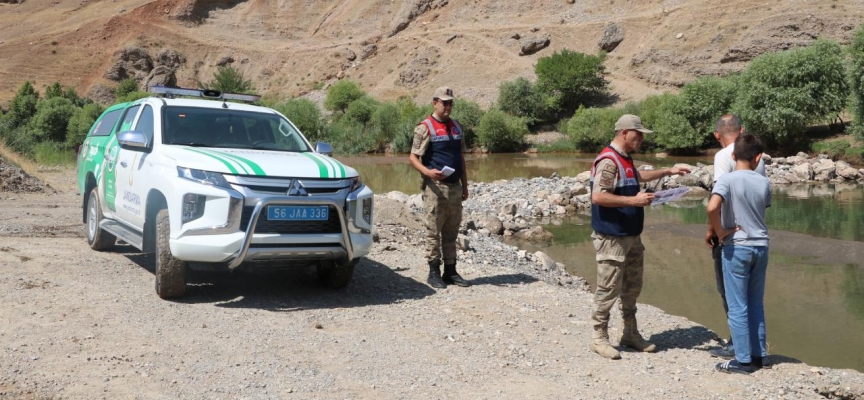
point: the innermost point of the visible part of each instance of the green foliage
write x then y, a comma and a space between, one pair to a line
23, 139
855, 73
53, 153
228, 79
304, 113
781, 93
469, 114
52, 117
704, 100
347, 138
501, 132
360, 111
342, 94
522, 98
53, 90
666, 115
132, 97
563, 145
386, 124
570, 79
22, 107
591, 129
80, 123
125, 87
411, 115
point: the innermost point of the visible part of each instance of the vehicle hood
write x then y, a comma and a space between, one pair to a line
259, 162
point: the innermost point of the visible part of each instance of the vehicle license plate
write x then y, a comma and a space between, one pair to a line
297, 213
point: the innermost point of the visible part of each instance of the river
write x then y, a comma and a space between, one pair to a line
815, 288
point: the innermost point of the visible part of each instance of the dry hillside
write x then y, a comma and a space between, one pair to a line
395, 48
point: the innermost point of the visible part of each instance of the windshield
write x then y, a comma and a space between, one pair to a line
208, 127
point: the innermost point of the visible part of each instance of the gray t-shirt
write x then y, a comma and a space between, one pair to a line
724, 163
746, 195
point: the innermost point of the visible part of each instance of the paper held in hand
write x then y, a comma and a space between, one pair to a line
665, 196
447, 171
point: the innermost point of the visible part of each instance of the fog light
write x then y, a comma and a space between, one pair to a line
367, 210
193, 206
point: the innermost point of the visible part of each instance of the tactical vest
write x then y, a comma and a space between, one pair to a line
618, 221
445, 147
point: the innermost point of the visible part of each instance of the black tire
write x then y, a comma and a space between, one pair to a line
170, 272
336, 274
97, 238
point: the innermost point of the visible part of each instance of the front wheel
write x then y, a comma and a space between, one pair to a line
97, 238
170, 272
336, 274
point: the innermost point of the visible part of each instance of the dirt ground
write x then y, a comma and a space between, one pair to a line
81, 324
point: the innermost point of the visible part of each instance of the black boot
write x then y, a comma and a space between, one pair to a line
452, 277
434, 278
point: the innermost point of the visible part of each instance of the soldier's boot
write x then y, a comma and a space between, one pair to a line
452, 277
632, 339
600, 344
434, 278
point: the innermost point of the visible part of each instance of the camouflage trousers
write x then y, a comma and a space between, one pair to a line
619, 274
443, 205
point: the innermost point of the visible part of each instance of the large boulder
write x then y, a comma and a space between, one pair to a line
532, 44
130, 62
613, 35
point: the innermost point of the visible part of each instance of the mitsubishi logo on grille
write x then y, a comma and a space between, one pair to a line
297, 189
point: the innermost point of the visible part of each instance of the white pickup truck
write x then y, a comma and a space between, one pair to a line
209, 184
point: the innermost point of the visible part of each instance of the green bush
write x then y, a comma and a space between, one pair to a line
570, 79
342, 94
304, 113
23, 139
360, 111
228, 79
522, 98
347, 138
386, 123
704, 100
469, 114
53, 90
132, 97
782, 93
666, 115
125, 87
411, 115
22, 107
591, 129
52, 117
501, 132
80, 123
855, 73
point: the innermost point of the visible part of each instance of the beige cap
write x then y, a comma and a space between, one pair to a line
443, 93
630, 121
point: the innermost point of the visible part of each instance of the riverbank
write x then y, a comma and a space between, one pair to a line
79, 324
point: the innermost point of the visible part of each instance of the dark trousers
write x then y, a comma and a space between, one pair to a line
717, 254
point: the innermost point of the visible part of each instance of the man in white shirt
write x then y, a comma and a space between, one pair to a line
728, 129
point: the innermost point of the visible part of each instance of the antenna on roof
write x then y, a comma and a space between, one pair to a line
172, 92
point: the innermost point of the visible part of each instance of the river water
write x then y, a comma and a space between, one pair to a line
815, 288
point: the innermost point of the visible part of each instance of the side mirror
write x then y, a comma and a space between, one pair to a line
132, 140
324, 148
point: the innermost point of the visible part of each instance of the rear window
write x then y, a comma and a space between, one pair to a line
209, 127
105, 124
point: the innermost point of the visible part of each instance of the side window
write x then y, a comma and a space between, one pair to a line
145, 123
106, 124
128, 118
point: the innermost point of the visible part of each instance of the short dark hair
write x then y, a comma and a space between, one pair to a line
747, 147
728, 123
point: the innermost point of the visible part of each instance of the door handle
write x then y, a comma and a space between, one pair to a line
123, 164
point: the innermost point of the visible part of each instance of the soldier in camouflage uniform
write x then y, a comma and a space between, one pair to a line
437, 154
617, 217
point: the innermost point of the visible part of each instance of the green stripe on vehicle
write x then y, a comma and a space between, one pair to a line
255, 167
223, 161
338, 170
321, 167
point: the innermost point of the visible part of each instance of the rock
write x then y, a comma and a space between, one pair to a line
103, 95
612, 37
411, 9
493, 224
546, 263
803, 171
463, 243
224, 60
349, 54
367, 51
161, 75
533, 44
398, 196
824, 170
536, 234
130, 62
451, 38
679, 36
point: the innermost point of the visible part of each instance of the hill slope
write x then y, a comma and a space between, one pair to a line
291, 47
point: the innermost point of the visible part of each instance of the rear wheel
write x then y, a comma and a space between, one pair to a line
170, 272
336, 274
97, 238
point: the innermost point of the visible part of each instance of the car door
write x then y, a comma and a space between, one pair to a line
119, 174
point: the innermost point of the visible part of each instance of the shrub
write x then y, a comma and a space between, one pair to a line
125, 87
570, 79
346, 138
342, 94
22, 107
521, 98
781, 93
499, 131
53, 90
229, 80
52, 117
411, 115
591, 129
80, 123
53, 153
360, 111
704, 100
304, 113
667, 117
132, 97
855, 72
469, 114
23, 139
385, 124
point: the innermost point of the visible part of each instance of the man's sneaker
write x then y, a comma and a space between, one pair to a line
761, 362
734, 367
726, 353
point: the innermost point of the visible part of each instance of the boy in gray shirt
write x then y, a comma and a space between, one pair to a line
737, 214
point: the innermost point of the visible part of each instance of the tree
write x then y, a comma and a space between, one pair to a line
52, 118
571, 79
469, 114
855, 73
342, 94
22, 107
499, 131
228, 79
80, 123
521, 98
305, 115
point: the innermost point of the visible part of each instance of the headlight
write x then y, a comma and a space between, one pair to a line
193, 206
205, 177
356, 183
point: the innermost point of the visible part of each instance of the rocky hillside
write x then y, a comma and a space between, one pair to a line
395, 48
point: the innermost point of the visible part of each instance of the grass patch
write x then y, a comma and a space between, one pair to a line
563, 145
844, 147
52, 154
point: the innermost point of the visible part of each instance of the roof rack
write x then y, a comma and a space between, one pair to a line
171, 92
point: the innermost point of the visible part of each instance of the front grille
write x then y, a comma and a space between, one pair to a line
284, 190
331, 225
